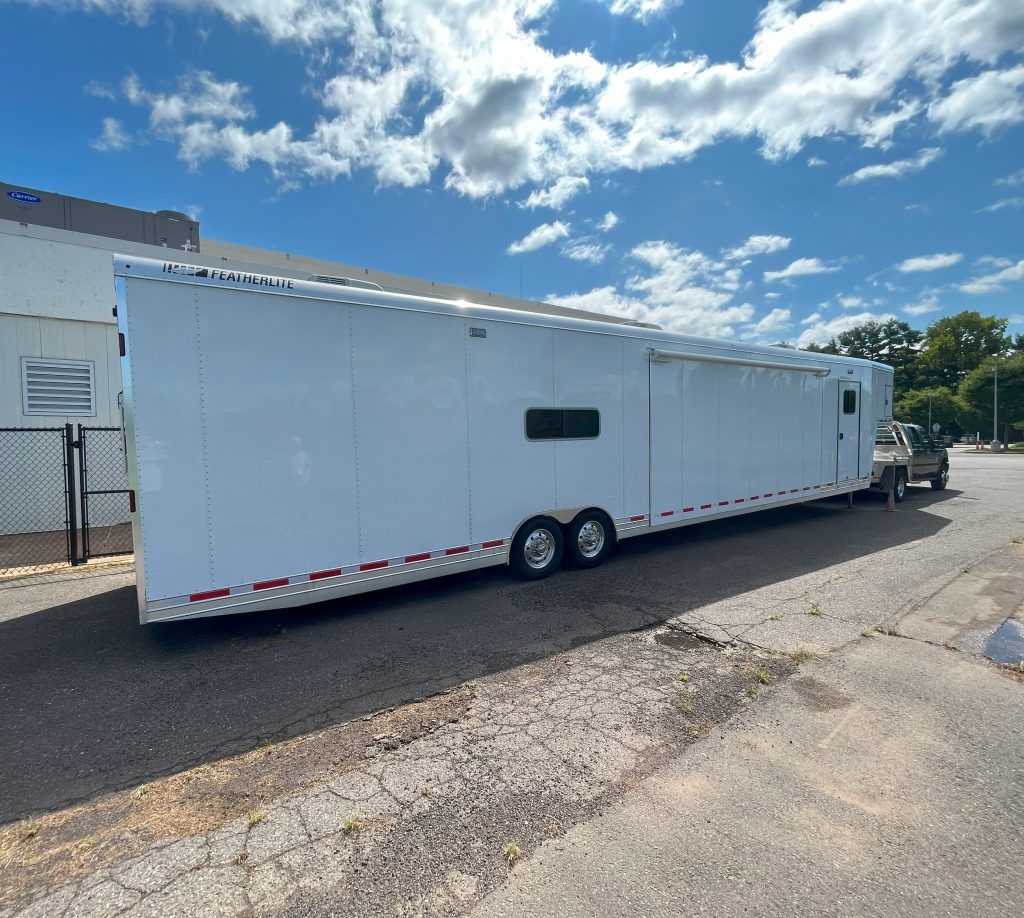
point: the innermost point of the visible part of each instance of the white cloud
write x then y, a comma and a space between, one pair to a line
896, 169
558, 194
99, 91
800, 268
586, 250
811, 319
821, 331
929, 262
679, 289
608, 222
929, 302
1012, 203
472, 91
986, 102
772, 295
113, 139
642, 9
817, 161
1014, 178
776, 320
994, 283
539, 237
758, 245
851, 302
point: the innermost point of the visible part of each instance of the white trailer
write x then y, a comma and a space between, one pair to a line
290, 442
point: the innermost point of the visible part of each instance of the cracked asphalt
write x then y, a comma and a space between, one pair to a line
379, 756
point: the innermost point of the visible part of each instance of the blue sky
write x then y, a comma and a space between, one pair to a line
764, 171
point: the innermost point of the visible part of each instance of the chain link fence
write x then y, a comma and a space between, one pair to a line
37, 526
106, 520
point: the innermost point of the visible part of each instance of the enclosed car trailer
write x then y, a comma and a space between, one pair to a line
289, 442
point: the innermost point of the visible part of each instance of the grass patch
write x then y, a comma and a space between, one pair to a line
28, 829
140, 791
752, 690
353, 824
804, 654
256, 817
764, 677
511, 854
684, 677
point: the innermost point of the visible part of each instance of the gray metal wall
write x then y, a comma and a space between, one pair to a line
60, 211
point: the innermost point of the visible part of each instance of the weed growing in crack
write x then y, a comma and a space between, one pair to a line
752, 690
28, 829
775, 618
868, 633
256, 817
1020, 667
512, 853
764, 677
804, 654
889, 631
241, 858
140, 791
815, 609
353, 824
684, 677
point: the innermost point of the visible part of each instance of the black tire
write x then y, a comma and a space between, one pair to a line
941, 480
899, 486
537, 549
589, 539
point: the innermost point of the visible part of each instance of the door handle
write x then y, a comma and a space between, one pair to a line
840, 436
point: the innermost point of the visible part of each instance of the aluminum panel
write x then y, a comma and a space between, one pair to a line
277, 412
163, 340
588, 374
700, 437
734, 446
412, 451
509, 371
667, 412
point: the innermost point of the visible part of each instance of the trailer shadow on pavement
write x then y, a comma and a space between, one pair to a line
92, 702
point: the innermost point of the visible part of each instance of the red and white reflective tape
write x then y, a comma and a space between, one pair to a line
327, 574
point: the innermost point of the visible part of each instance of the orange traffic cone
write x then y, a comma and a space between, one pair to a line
890, 502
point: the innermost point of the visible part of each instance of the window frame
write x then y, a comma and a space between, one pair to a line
526, 427
39, 363
846, 394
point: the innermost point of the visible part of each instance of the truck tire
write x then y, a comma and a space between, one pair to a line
537, 548
589, 539
899, 486
940, 481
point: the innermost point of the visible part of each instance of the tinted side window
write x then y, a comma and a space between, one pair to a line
562, 423
850, 401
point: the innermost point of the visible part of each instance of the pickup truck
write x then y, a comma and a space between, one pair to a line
906, 454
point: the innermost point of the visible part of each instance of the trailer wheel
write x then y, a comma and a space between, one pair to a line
589, 538
941, 480
899, 486
537, 548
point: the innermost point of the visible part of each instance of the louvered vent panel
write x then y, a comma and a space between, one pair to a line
57, 387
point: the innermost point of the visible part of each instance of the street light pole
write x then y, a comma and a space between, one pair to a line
995, 405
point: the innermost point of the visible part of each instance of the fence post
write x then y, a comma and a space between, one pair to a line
69, 478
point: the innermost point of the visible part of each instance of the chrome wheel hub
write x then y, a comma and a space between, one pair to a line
590, 540
539, 549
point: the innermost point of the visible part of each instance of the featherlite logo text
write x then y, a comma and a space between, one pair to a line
238, 277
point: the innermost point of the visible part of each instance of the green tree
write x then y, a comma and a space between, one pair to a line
946, 409
977, 389
956, 345
892, 342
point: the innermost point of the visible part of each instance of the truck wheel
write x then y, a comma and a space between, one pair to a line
589, 539
899, 486
941, 480
537, 548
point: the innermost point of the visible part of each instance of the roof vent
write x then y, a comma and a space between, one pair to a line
344, 282
633, 323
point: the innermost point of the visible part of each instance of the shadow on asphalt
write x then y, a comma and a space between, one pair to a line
93, 702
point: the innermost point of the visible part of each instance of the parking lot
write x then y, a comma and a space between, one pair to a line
97, 706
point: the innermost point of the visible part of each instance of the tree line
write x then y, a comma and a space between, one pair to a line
952, 362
